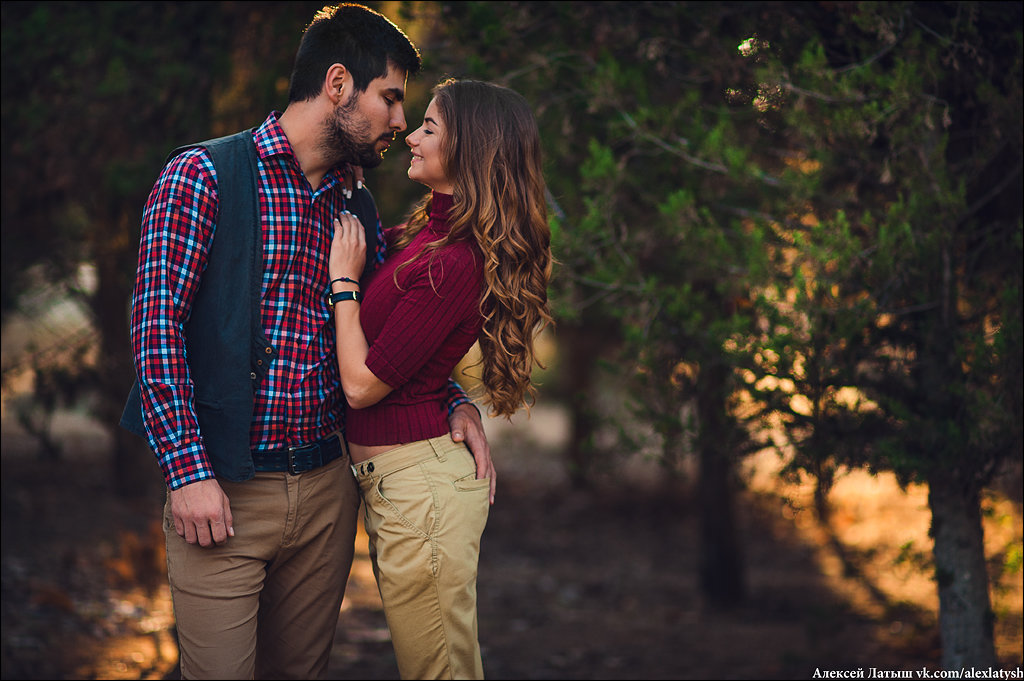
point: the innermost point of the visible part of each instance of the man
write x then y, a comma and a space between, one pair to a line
244, 409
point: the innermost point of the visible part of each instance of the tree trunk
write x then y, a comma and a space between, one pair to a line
580, 364
965, 611
585, 341
722, 579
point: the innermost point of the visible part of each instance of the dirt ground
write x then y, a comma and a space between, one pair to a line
596, 584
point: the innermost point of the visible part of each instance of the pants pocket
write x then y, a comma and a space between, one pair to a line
469, 483
408, 498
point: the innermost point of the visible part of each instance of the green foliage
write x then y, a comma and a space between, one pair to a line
903, 306
94, 94
1013, 559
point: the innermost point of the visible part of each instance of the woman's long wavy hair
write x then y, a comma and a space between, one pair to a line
491, 155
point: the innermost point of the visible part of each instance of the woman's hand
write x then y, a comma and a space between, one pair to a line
353, 180
348, 249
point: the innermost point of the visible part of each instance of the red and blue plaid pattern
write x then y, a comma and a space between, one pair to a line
300, 400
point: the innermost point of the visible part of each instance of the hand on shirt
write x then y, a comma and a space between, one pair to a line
348, 249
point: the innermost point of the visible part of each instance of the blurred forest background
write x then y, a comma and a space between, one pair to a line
786, 232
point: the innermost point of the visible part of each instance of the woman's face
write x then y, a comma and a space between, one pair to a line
425, 142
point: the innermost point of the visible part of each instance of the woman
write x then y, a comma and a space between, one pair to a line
471, 264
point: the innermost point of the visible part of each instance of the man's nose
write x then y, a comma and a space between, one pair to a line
398, 120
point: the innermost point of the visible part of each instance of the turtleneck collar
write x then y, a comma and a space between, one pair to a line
440, 206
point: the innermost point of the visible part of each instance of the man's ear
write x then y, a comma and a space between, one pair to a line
338, 84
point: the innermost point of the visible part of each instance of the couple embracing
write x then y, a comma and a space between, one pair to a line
294, 357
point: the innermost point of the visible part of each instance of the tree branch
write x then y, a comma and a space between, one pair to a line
878, 55
786, 85
693, 160
991, 194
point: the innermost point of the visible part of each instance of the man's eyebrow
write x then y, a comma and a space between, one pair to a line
397, 92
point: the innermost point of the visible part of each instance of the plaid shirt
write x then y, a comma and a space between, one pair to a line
300, 400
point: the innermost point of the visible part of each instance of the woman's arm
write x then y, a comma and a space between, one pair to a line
348, 257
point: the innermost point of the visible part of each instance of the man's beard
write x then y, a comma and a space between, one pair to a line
343, 135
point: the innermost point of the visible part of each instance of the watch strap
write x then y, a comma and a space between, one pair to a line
335, 298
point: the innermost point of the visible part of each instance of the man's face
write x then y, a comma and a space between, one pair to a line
362, 128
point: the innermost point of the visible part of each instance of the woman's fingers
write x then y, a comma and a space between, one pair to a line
343, 227
349, 236
351, 229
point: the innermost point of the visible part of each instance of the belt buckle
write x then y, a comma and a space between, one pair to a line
302, 449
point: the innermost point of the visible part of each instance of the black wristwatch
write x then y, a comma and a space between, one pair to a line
333, 298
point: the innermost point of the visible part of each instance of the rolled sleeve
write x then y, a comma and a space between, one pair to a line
457, 397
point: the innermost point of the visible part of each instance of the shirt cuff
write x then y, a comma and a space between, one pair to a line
186, 466
456, 401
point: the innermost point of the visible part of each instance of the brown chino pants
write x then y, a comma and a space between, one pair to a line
265, 604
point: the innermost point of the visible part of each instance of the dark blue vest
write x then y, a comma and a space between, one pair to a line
228, 352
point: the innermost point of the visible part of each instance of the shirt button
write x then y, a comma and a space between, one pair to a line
252, 375
268, 350
259, 362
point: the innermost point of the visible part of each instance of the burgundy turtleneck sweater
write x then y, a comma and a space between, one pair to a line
417, 332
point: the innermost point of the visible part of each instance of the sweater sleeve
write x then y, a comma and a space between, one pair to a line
441, 295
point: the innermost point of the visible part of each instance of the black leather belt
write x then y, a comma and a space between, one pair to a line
299, 458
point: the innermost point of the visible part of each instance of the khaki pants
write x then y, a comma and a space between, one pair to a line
265, 604
425, 514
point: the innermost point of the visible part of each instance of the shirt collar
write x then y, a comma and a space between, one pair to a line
271, 141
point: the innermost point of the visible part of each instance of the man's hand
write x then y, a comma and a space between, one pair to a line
202, 513
467, 427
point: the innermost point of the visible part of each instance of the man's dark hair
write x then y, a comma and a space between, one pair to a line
363, 40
